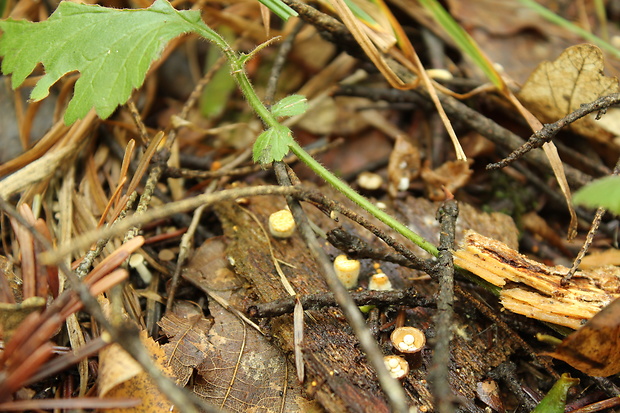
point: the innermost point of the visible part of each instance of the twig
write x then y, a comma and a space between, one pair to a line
356, 248
278, 63
329, 27
125, 204
442, 393
477, 122
409, 298
126, 336
607, 386
406, 252
86, 239
137, 119
550, 130
507, 372
596, 222
392, 388
245, 170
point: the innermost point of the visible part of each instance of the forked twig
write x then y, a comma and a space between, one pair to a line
549, 130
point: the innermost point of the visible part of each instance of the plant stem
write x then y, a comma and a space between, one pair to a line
238, 72
362, 201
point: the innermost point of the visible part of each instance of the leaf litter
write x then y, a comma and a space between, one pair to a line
204, 348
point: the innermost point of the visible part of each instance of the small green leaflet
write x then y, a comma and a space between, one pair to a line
292, 105
555, 400
111, 48
604, 192
272, 144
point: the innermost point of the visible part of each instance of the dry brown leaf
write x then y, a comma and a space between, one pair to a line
557, 88
120, 376
539, 292
11, 314
488, 391
404, 165
188, 342
451, 175
594, 348
241, 370
600, 259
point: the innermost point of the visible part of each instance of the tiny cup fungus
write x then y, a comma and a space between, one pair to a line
281, 224
397, 366
347, 271
408, 341
379, 282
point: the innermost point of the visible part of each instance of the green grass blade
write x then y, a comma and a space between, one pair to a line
463, 40
554, 18
280, 9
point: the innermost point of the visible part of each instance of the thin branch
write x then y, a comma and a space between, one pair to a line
547, 133
356, 248
406, 252
444, 399
473, 119
596, 222
392, 388
408, 298
126, 336
279, 61
90, 237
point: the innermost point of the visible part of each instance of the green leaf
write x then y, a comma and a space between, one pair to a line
111, 48
604, 192
555, 400
272, 145
290, 106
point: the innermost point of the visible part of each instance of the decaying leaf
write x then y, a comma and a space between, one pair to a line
238, 361
404, 165
188, 342
594, 348
240, 369
12, 314
122, 377
451, 175
557, 88
538, 292
488, 391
